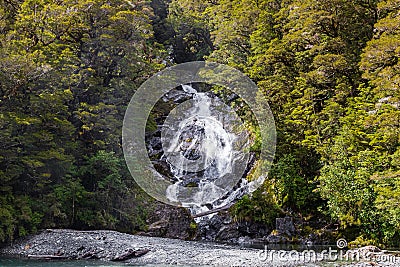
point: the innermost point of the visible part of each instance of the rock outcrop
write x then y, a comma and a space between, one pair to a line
171, 222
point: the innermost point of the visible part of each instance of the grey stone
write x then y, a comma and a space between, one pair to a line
285, 226
171, 222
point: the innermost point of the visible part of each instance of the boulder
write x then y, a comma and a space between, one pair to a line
277, 239
285, 226
284, 232
129, 254
221, 227
171, 222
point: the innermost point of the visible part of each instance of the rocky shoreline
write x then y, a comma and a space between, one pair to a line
55, 244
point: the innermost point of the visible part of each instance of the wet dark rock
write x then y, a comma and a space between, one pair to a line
177, 95
221, 227
285, 226
171, 222
157, 228
228, 233
277, 239
285, 230
232, 97
155, 143
154, 146
130, 253
212, 229
253, 229
250, 163
163, 168
190, 139
323, 238
191, 180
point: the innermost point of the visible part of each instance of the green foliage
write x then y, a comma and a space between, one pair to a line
71, 195
7, 220
361, 241
387, 205
293, 190
260, 207
329, 70
191, 37
67, 72
360, 180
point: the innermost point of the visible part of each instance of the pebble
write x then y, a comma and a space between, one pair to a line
91, 245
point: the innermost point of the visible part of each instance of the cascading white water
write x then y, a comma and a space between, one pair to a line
206, 146
194, 140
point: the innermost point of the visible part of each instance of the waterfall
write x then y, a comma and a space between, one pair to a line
206, 147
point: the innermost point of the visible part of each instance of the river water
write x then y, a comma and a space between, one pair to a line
23, 262
19, 262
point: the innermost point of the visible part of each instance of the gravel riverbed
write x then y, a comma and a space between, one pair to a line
104, 245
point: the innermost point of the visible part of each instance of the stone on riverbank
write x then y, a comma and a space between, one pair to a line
138, 250
141, 250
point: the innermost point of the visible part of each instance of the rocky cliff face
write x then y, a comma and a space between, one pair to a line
174, 222
171, 222
222, 228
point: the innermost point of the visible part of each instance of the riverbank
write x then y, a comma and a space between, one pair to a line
104, 245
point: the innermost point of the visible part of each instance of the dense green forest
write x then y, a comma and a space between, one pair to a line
330, 70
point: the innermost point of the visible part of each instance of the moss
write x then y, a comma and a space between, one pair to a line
192, 229
193, 226
274, 232
192, 184
306, 230
362, 241
151, 125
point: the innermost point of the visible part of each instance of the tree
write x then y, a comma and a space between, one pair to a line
68, 70
191, 38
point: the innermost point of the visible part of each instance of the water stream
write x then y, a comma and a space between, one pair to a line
207, 149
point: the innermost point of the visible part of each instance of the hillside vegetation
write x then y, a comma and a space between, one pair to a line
330, 70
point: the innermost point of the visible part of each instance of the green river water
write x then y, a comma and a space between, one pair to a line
19, 262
